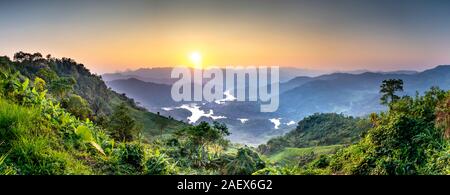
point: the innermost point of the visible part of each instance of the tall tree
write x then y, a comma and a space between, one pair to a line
121, 125
388, 89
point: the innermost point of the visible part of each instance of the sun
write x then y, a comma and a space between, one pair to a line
196, 59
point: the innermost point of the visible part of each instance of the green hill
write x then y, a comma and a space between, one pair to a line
90, 87
320, 130
301, 156
47, 127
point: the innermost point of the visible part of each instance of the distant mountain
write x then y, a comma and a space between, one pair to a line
151, 95
354, 94
382, 72
401, 72
162, 75
295, 82
301, 96
154, 75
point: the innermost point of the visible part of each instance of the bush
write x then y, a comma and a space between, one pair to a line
246, 162
159, 164
133, 154
277, 170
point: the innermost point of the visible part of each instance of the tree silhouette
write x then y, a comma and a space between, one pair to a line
388, 89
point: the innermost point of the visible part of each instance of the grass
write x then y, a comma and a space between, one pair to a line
152, 123
291, 156
34, 148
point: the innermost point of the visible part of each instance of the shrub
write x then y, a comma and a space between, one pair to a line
159, 164
133, 154
245, 162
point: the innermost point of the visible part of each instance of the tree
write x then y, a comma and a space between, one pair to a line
121, 125
78, 106
27, 57
388, 89
246, 162
204, 132
62, 86
443, 115
47, 74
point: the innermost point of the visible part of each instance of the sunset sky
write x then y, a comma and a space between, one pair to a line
108, 36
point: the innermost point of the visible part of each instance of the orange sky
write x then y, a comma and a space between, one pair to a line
117, 36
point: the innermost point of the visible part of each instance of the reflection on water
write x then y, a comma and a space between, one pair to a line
276, 122
243, 120
196, 112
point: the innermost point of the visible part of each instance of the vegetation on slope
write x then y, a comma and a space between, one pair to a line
41, 135
301, 156
320, 130
47, 127
84, 94
410, 138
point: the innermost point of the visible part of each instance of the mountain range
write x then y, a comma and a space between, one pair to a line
301, 95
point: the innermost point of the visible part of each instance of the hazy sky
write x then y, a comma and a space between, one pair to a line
337, 34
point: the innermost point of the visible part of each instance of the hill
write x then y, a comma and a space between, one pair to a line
100, 99
353, 94
301, 156
47, 128
150, 95
319, 130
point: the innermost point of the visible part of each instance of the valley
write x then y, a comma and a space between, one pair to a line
352, 94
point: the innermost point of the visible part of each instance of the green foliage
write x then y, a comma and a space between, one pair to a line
443, 115
47, 74
76, 105
245, 162
159, 164
301, 156
39, 84
278, 170
404, 141
134, 155
86, 136
35, 128
388, 89
204, 133
61, 86
5, 169
65, 77
201, 145
121, 125
320, 130
56, 133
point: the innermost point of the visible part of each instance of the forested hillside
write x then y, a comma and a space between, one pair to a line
57, 118
412, 137
82, 93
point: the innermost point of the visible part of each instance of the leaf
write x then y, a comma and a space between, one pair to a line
97, 147
84, 133
25, 84
86, 136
